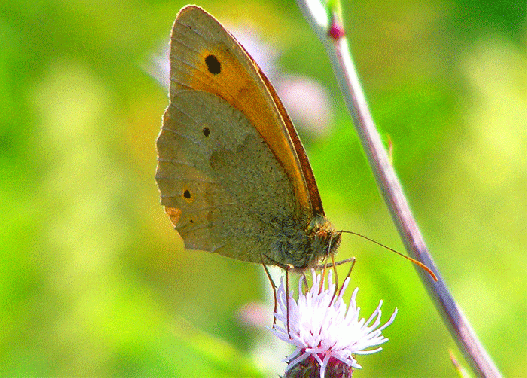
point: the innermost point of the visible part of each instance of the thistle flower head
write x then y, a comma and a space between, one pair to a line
324, 330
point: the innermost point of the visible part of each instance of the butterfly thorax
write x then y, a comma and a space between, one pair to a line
304, 248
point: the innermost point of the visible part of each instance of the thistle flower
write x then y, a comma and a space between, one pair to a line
325, 332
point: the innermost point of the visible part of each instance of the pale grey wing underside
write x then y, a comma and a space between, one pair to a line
231, 194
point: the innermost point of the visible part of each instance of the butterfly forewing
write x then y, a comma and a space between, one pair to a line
233, 175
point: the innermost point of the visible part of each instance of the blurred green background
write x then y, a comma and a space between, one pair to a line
94, 281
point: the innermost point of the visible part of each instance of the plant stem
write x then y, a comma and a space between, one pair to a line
330, 31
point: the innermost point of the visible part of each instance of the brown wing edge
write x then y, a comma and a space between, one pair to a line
309, 177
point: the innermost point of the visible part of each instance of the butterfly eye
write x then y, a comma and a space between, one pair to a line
213, 64
206, 131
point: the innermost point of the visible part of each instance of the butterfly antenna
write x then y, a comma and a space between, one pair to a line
416, 262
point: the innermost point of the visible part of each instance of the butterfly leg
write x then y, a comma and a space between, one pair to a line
274, 292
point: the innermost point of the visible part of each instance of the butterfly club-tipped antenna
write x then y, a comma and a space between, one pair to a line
416, 262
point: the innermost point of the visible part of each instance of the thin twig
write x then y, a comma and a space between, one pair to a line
330, 30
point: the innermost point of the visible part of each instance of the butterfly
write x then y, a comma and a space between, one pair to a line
233, 175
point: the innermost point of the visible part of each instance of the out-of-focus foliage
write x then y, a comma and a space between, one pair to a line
94, 281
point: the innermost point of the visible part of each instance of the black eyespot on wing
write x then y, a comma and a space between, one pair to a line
206, 131
187, 194
213, 64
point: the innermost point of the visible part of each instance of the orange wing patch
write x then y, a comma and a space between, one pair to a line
173, 214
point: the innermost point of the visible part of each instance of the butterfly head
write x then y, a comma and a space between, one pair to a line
324, 240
